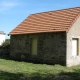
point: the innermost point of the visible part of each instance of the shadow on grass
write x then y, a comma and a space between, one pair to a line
75, 75
37, 76
9, 76
20, 76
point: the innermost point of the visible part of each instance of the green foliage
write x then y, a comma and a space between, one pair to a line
6, 43
5, 48
13, 70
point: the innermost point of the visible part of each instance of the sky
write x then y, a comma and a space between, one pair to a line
13, 12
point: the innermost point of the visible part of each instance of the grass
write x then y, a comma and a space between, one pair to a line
14, 70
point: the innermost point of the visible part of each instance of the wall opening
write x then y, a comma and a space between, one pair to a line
75, 47
34, 42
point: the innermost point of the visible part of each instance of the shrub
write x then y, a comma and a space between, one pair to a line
5, 48
6, 43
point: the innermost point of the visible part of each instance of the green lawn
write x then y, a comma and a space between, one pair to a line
14, 70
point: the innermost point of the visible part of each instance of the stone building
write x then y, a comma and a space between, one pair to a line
49, 37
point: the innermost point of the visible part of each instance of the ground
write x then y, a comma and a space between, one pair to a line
15, 70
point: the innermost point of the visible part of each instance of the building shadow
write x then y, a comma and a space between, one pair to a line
9, 76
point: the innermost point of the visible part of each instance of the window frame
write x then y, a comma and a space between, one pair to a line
77, 53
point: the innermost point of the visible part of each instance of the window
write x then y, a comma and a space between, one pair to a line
75, 47
34, 41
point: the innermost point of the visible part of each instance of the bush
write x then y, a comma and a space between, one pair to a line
5, 48
6, 43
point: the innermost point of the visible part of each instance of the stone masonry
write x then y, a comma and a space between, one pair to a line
51, 48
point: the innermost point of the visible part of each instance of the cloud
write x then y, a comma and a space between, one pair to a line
7, 4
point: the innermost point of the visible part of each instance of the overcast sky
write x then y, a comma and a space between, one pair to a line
13, 12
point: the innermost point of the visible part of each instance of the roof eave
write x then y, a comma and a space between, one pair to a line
34, 33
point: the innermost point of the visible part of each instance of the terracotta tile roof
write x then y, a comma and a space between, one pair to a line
52, 21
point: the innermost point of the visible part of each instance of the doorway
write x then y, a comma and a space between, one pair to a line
34, 41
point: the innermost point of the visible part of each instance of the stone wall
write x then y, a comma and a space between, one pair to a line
51, 48
19, 46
